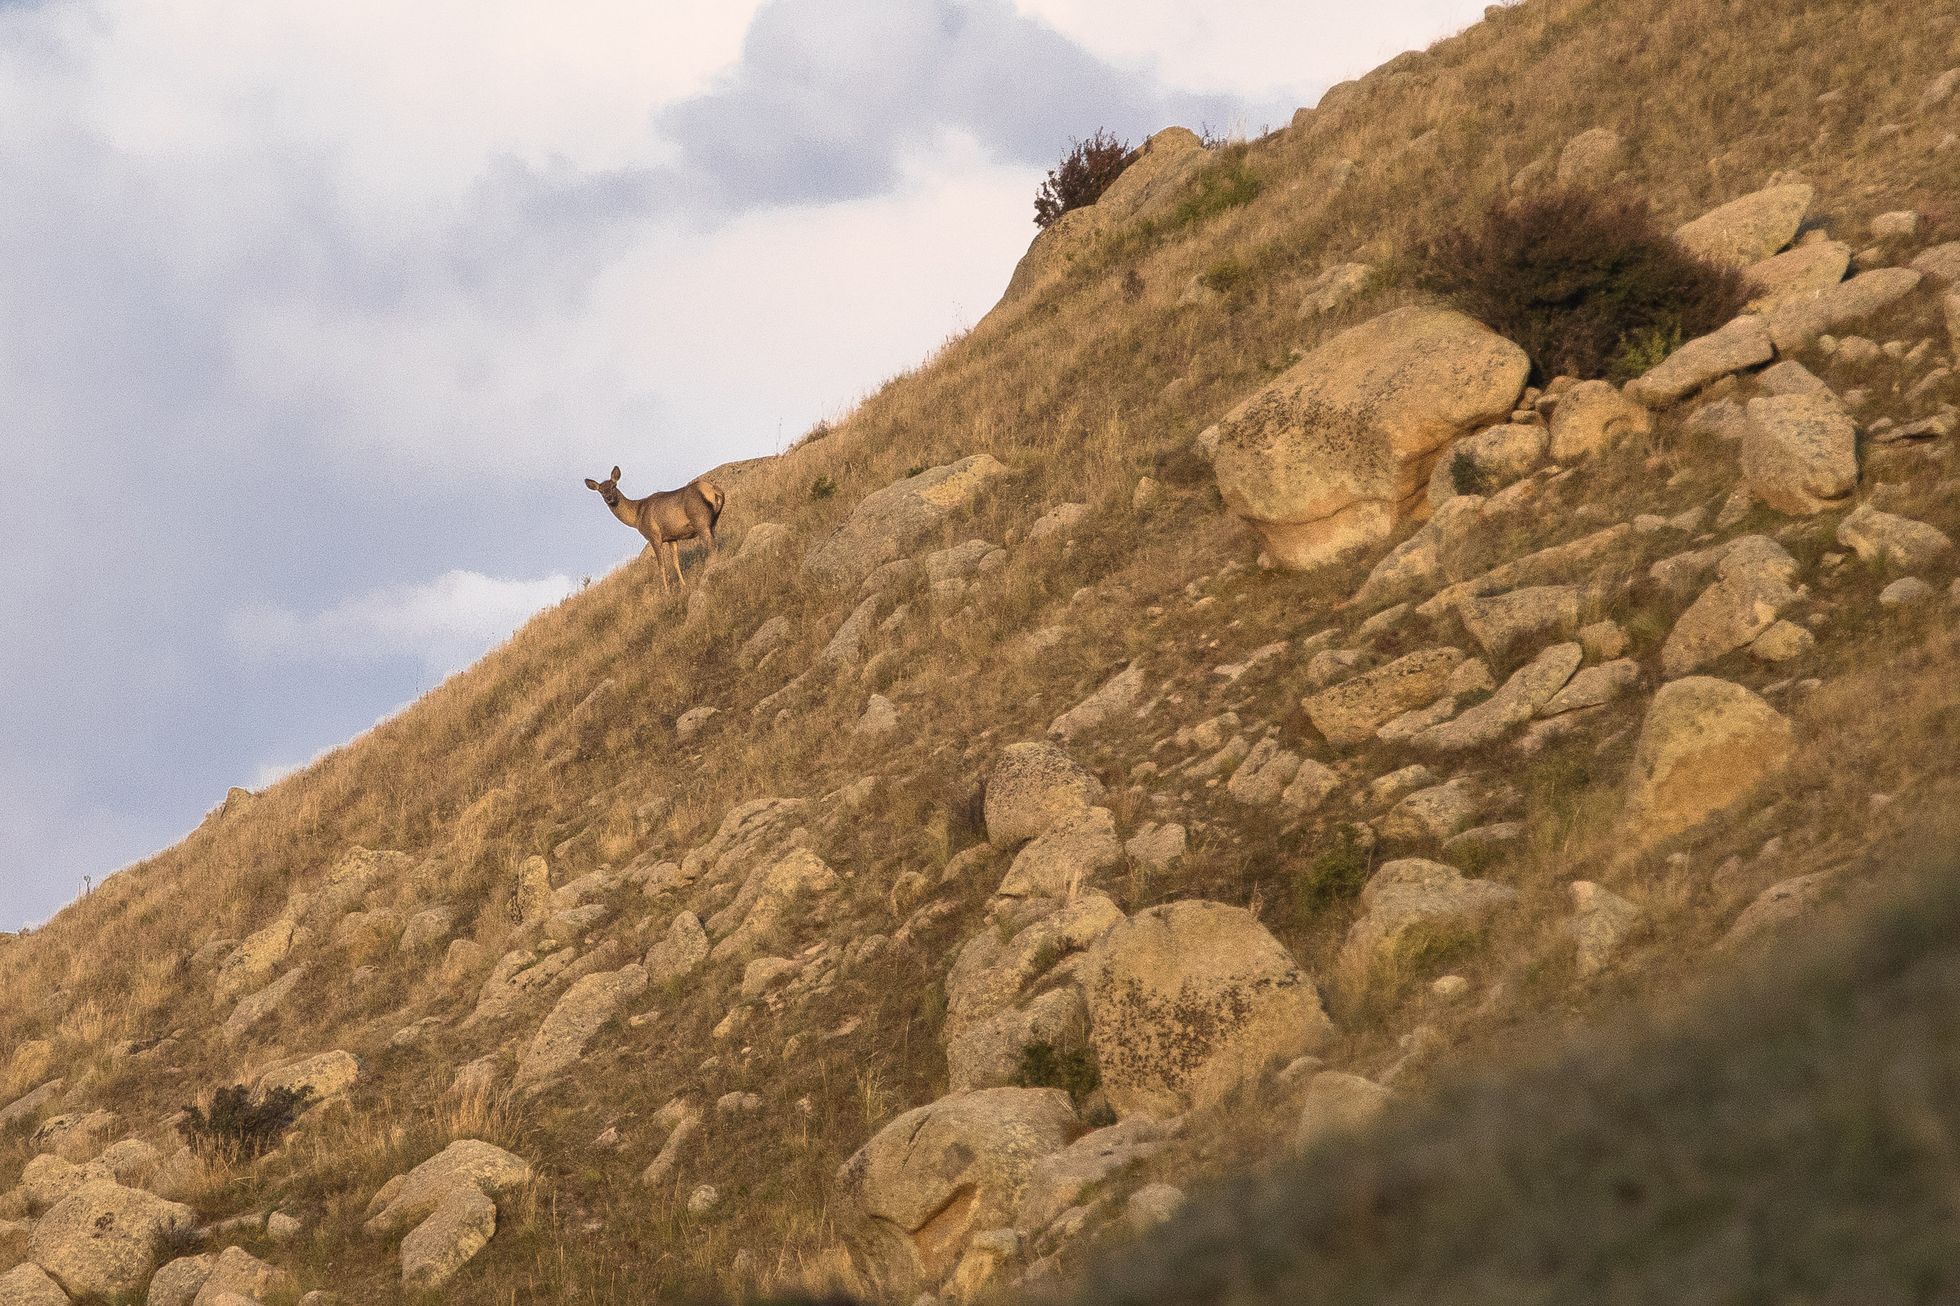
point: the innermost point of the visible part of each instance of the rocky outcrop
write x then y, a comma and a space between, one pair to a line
323, 1077
1519, 699
1796, 320
1060, 862
1705, 745
1351, 712
1189, 1001
1748, 230
1323, 461
1005, 995
584, 1010
893, 522
1412, 899
763, 902
683, 948
1033, 789
104, 1240
1799, 453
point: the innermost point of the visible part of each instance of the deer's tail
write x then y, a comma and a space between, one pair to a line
716, 499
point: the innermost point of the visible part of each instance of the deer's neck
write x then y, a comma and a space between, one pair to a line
627, 510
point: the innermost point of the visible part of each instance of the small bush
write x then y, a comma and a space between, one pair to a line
239, 1126
1589, 284
1073, 1070
1335, 876
822, 488
1225, 276
1081, 177
1226, 183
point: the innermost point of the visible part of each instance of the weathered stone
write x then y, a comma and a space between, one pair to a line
1590, 159
1533, 615
26, 1285
1351, 712
894, 521
1601, 923
1751, 590
1188, 1001
684, 947
1895, 541
426, 929
1434, 813
1494, 458
998, 992
1747, 230
1067, 857
467, 1163
1060, 1180
1779, 905
253, 962
766, 900
237, 1271
1742, 344
103, 1239
584, 1010
1264, 775
1034, 788
323, 1077
1336, 1103
1591, 418
1529, 689
1706, 744
1806, 268
251, 1010
176, 1284
1115, 697
1799, 454
1058, 522
1941, 263
1310, 787
1796, 320
1783, 641
1322, 461
1334, 288
1157, 846
1406, 899
461, 1225
1905, 591
939, 1173
1790, 377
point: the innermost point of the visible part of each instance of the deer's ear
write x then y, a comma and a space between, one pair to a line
615, 473
591, 484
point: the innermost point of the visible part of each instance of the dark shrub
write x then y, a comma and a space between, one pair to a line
822, 488
1589, 284
1082, 176
1336, 875
239, 1126
1073, 1071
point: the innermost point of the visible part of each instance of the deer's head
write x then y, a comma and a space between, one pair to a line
608, 489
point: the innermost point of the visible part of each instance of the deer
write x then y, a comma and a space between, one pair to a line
666, 518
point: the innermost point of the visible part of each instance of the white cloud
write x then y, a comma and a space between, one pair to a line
446, 623
1257, 48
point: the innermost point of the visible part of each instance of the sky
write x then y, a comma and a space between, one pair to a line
318, 312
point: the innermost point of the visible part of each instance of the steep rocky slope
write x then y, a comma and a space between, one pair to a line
987, 851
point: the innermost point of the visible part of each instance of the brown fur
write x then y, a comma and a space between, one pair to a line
666, 518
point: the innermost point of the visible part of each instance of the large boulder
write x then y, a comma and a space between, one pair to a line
1411, 899
1033, 789
322, 1077
584, 1010
1591, 418
1060, 862
253, 962
891, 523
407, 1200
942, 1172
28, 1285
1800, 453
1325, 459
1816, 266
1351, 712
1750, 229
178, 1282
1795, 320
1751, 589
1188, 1001
1742, 344
1705, 745
103, 1239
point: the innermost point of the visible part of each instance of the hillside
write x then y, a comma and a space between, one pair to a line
987, 852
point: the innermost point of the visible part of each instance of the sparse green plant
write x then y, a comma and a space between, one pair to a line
239, 1125
1335, 876
823, 487
1588, 283
1228, 182
1081, 177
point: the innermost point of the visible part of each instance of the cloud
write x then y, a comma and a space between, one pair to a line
445, 624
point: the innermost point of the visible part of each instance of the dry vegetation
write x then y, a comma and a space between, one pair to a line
560, 744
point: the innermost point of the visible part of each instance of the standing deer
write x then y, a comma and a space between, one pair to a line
666, 518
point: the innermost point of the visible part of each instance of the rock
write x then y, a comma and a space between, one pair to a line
1796, 320
1264, 775
322, 1077
1408, 899
1941, 263
1335, 1104
683, 948
467, 1163
1351, 712
46, 1179
530, 896
939, 1173
1591, 418
1779, 905
1593, 687
103, 1240
1799, 454
1530, 616
1434, 813
847, 644
704, 1198
1590, 159
1117, 695
1520, 698
253, 962
892, 522
1603, 640
239, 1272
1895, 541
693, 721
1034, 788
1751, 590
1904, 592
1310, 787
26, 1285
176, 1284
574, 924
1322, 461
283, 1228
1742, 344
1494, 458
460, 1226
251, 1010
29, 1104
463, 960
1188, 1001
1783, 641
1059, 862
1747, 230
765, 900
1058, 522
1706, 744
1601, 923
1790, 377
1451, 988
585, 1009
1333, 288
1150, 1206
1805, 268
880, 718
1003, 994
1902, 224
426, 929
1062, 1179
767, 638
1156, 847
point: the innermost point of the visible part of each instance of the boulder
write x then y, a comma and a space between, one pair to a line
407, 1200
1034, 788
46, 1179
1817, 266
24, 1108
1779, 905
176, 1284
1494, 458
1406, 899
1334, 288
1056, 864
684, 947
1189, 1000
253, 962
1337, 1103
1432, 814
103, 1239
1594, 686
1796, 320
1590, 159
942, 1172
426, 929
26, 1285
1117, 695
460, 1226
1516, 702
1058, 522
1747, 230
251, 1010
1799, 453
1742, 344
1322, 461
1750, 592
1895, 541
1062, 1179
1601, 923
1521, 618
237, 1271
1264, 774
1705, 745
891, 523
1941, 263
765, 900
1351, 712
584, 1010
323, 1076
1591, 418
